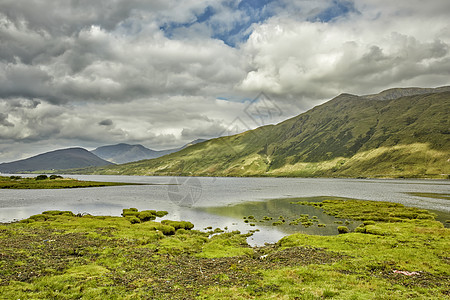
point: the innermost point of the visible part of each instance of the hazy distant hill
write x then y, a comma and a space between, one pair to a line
124, 153
59, 159
398, 132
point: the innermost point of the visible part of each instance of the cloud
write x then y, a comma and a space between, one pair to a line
320, 60
87, 73
4, 120
106, 122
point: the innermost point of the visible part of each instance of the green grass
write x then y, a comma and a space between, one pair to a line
17, 182
57, 255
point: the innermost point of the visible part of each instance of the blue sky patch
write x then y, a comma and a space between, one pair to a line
337, 9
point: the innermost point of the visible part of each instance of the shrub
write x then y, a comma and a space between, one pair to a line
342, 229
41, 177
277, 223
55, 177
15, 177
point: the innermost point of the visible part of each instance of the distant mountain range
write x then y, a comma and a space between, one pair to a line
124, 153
396, 133
74, 158
55, 160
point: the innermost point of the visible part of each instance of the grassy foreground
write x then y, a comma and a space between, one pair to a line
52, 182
397, 253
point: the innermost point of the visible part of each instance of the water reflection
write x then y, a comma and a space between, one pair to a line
269, 212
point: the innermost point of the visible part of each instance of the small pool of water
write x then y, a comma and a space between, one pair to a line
288, 217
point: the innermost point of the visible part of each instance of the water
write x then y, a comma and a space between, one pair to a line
193, 198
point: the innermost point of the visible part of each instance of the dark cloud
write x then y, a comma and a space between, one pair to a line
107, 122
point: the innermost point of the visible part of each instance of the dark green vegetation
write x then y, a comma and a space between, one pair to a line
54, 160
57, 255
51, 182
397, 133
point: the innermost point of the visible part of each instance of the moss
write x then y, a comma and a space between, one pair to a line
58, 212
146, 215
178, 224
161, 213
133, 219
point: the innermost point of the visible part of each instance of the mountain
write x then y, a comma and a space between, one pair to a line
59, 159
124, 153
396, 133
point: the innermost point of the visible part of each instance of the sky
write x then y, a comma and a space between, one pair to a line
162, 73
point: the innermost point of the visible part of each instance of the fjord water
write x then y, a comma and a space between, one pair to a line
197, 199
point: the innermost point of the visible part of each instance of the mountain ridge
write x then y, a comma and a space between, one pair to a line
125, 153
348, 136
68, 158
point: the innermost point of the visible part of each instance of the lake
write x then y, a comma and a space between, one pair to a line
223, 202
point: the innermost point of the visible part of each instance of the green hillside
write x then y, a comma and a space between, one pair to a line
397, 133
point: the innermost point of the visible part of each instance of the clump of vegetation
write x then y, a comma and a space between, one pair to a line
161, 213
59, 213
41, 177
342, 229
178, 224
135, 216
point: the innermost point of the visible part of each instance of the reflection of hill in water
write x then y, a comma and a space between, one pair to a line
283, 207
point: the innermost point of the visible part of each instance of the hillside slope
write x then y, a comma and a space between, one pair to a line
397, 133
59, 159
